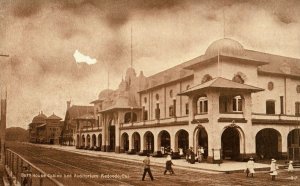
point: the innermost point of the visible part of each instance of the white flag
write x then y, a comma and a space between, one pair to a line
80, 58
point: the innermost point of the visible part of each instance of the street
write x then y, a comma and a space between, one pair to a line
75, 169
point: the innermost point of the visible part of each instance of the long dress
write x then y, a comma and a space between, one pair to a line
250, 166
273, 169
290, 168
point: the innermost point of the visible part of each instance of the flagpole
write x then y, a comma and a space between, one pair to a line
131, 49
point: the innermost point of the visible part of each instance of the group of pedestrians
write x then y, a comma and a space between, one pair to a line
147, 169
250, 166
273, 168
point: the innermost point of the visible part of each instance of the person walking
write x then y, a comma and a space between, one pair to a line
250, 167
146, 162
273, 169
169, 164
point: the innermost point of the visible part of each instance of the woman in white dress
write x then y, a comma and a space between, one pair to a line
273, 169
250, 167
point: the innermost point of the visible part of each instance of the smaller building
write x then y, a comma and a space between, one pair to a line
77, 118
45, 129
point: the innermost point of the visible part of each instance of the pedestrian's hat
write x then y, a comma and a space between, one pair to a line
251, 158
273, 160
291, 161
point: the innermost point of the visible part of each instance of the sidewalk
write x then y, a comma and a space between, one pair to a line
225, 167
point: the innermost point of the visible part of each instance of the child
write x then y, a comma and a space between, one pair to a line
290, 168
250, 167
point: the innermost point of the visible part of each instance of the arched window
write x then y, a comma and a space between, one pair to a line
270, 85
157, 97
206, 78
238, 78
127, 117
171, 93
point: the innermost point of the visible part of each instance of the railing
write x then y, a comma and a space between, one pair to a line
21, 172
160, 121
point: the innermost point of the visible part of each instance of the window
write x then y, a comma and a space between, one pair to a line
157, 97
206, 78
187, 108
270, 85
270, 107
145, 100
157, 113
145, 115
238, 78
297, 108
171, 110
298, 88
202, 105
237, 104
171, 93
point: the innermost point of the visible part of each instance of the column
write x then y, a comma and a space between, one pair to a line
130, 142
104, 134
174, 145
156, 147
191, 141
117, 137
142, 142
213, 130
283, 144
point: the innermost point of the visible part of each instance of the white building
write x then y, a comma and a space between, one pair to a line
232, 101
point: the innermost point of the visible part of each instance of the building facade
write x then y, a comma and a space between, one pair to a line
77, 118
45, 129
232, 101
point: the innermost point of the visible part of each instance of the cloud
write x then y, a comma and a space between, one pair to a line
81, 58
41, 37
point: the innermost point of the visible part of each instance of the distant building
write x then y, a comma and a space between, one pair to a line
45, 129
232, 101
77, 117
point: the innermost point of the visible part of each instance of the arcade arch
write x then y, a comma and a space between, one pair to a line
149, 142
232, 142
164, 140
136, 141
181, 140
268, 143
125, 142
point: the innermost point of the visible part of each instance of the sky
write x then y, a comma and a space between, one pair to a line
42, 36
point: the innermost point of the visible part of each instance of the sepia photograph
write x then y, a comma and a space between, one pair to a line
149, 92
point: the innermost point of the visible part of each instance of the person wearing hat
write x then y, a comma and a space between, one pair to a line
273, 169
290, 167
250, 167
146, 162
169, 164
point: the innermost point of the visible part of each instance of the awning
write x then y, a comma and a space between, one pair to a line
221, 83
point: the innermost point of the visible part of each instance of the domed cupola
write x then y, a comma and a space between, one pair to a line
41, 118
225, 46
